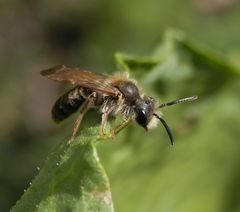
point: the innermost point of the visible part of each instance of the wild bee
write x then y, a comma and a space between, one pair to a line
112, 95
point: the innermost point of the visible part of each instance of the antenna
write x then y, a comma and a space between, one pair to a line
178, 101
166, 127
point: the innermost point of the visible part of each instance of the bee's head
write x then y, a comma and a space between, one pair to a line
144, 109
145, 112
146, 117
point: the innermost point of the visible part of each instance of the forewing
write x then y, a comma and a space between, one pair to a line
98, 82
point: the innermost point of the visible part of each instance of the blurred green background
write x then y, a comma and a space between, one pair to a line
200, 172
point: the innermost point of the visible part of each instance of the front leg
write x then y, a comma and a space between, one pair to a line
115, 130
119, 127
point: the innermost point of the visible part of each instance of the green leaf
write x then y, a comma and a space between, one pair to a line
177, 62
72, 179
175, 42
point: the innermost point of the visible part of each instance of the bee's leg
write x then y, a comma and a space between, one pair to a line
119, 127
103, 123
83, 109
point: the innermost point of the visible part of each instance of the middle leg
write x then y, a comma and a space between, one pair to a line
103, 123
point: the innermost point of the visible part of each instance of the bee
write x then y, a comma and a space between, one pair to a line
111, 95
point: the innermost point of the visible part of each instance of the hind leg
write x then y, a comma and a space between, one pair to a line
82, 111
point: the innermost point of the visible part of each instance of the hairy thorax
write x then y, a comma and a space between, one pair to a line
128, 95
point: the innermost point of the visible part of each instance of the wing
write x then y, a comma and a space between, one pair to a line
97, 82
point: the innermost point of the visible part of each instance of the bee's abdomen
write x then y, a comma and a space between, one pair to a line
67, 104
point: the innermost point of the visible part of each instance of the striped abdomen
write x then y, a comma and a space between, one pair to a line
67, 104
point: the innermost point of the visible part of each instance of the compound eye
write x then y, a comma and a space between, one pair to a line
147, 102
142, 118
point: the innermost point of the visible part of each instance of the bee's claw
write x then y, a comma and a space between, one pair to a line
112, 134
70, 140
102, 134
